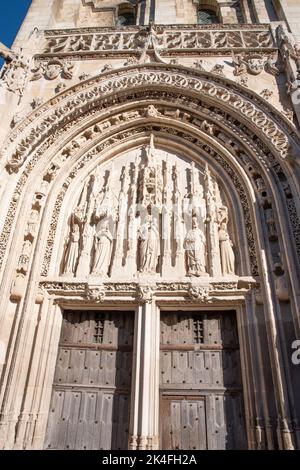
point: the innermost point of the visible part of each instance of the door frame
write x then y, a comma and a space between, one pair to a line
147, 303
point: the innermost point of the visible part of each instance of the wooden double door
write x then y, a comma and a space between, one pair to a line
91, 391
201, 404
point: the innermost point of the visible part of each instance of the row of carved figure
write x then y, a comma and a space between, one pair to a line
150, 225
149, 249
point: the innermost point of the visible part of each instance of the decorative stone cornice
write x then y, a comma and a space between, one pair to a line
145, 293
171, 39
199, 293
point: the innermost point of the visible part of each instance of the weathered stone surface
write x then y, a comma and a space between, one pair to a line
151, 169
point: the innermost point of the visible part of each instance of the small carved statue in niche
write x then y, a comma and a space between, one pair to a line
33, 222
226, 251
103, 245
222, 214
25, 256
271, 224
149, 245
194, 244
72, 251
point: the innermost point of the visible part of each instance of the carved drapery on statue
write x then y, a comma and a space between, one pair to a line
73, 243
194, 245
149, 212
103, 241
149, 239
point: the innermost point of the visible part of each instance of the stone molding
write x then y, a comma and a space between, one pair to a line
214, 290
50, 116
171, 39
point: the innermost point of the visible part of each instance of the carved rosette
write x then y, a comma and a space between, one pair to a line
95, 294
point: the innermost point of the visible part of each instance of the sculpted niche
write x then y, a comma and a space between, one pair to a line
149, 212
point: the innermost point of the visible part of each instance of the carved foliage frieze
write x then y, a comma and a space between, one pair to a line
168, 39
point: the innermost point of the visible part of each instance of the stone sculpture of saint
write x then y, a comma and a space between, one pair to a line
194, 245
226, 251
103, 245
72, 251
33, 222
149, 245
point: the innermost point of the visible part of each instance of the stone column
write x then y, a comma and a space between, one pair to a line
284, 432
31, 433
144, 423
167, 219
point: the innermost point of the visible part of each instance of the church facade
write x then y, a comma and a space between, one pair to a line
150, 235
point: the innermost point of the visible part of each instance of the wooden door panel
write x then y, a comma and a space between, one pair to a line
200, 354
91, 390
184, 423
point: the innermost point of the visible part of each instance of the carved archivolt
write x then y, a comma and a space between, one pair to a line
50, 117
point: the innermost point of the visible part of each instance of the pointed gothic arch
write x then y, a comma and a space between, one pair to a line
236, 132
274, 139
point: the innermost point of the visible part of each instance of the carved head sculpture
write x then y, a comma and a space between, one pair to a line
104, 226
256, 65
223, 226
53, 69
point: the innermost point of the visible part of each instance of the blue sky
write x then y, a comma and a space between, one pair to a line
12, 14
